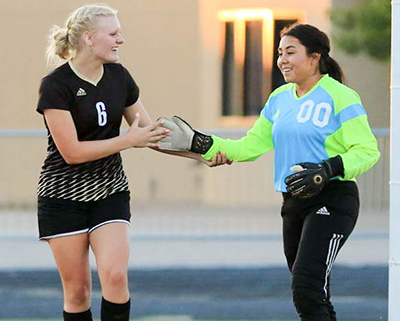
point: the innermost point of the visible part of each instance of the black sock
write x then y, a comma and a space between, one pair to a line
115, 311
80, 316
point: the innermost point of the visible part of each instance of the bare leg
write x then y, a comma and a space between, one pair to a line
72, 259
110, 244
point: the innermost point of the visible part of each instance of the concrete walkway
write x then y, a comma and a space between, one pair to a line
191, 262
187, 235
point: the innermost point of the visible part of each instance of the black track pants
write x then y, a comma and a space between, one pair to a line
314, 230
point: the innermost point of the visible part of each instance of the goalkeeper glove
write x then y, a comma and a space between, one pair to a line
184, 137
309, 178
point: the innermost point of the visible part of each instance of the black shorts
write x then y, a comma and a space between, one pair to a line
59, 217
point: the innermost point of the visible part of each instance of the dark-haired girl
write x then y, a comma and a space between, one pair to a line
322, 140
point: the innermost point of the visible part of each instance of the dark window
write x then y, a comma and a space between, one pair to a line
253, 69
228, 70
244, 83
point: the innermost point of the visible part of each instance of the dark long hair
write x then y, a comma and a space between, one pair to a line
316, 41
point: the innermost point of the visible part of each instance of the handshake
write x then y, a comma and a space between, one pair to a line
307, 180
182, 137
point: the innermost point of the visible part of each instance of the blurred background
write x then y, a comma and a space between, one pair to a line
212, 232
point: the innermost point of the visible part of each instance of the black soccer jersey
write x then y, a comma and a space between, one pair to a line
97, 111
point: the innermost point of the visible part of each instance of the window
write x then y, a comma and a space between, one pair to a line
249, 71
253, 73
228, 71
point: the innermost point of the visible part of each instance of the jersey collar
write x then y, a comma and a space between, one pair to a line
90, 81
319, 82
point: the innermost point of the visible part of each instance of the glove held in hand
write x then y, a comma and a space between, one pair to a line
201, 143
184, 137
310, 178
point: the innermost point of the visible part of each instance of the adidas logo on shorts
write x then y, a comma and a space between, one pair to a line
323, 211
81, 92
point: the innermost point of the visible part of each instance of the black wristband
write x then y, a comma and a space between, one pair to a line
334, 166
201, 143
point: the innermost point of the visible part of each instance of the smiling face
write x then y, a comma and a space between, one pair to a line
106, 40
296, 65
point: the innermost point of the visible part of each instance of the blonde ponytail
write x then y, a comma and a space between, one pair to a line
58, 47
64, 42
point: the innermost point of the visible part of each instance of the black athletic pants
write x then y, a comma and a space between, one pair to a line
314, 230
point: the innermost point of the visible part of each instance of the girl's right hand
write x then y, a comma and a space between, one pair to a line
147, 136
219, 159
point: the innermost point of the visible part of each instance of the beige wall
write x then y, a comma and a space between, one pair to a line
173, 50
161, 53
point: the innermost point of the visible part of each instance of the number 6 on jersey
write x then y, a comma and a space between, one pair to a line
101, 113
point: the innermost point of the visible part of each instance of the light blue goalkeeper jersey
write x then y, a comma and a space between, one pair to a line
327, 121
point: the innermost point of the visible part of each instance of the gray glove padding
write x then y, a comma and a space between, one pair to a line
181, 135
184, 137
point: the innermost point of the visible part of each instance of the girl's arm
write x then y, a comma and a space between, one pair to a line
257, 141
63, 131
145, 120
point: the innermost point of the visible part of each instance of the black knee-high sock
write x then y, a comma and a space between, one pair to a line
115, 311
81, 316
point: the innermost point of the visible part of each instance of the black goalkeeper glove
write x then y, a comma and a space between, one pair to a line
184, 137
309, 178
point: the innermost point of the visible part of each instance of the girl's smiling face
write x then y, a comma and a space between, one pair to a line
106, 39
296, 65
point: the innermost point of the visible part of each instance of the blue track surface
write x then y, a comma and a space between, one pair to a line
259, 294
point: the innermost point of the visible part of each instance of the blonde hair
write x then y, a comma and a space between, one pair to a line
64, 42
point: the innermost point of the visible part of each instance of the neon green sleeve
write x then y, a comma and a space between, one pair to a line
360, 148
257, 142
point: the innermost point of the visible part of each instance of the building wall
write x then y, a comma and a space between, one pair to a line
173, 50
161, 51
